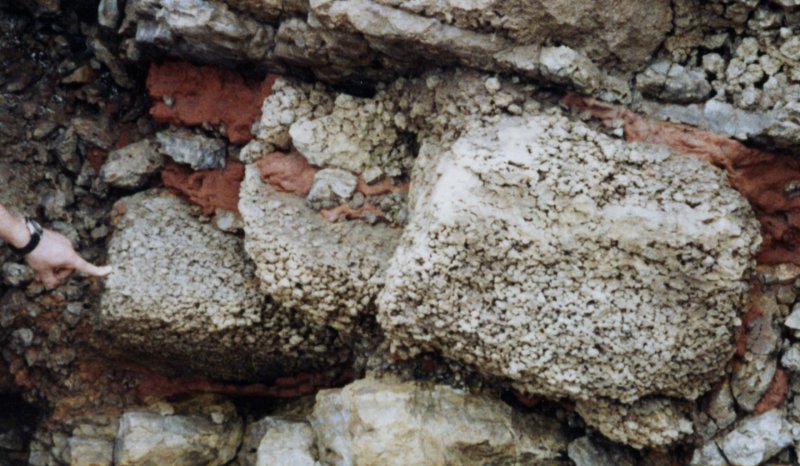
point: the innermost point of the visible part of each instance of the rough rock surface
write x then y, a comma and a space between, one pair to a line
204, 311
209, 435
131, 166
330, 272
381, 422
632, 260
756, 439
198, 151
358, 40
651, 422
287, 442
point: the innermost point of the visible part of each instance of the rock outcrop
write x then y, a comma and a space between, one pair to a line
204, 312
380, 422
571, 263
204, 431
330, 272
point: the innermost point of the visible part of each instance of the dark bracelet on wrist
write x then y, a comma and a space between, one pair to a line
36, 231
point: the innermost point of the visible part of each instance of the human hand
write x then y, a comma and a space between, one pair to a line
54, 259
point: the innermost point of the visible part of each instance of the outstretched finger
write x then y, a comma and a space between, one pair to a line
48, 279
81, 265
61, 274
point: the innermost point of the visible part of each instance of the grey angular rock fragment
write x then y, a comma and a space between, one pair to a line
184, 294
756, 439
198, 151
673, 83
607, 270
108, 13
90, 451
287, 442
16, 274
362, 423
792, 322
584, 452
209, 438
331, 187
331, 272
791, 359
132, 166
708, 455
197, 28
651, 422
721, 406
716, 116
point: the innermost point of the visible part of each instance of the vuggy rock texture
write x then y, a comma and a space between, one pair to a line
605, 269
331, 272
652, 422
382, 422
204, 312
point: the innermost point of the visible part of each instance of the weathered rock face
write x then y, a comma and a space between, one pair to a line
380, 422
330, 272
209, 434
651, 422
571, 263
187, 291
364, 40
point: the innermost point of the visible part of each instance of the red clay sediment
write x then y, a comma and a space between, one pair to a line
771, 182
291, 173
775, 394
209, 189
206, 95
288, 173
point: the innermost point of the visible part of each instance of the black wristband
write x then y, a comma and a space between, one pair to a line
36, 236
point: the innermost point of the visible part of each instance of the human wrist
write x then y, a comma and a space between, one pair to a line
18, 234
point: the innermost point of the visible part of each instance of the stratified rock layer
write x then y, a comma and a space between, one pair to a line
571, 263
185, 293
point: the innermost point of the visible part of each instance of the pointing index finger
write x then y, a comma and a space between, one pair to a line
90, 269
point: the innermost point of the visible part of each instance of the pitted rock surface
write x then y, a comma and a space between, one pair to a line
331, 272
571, 263
187, 291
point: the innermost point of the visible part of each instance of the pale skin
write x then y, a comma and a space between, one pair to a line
54, 259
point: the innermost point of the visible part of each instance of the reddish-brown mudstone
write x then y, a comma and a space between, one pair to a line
775, 394
206, 95
771, 182
289, 173
350, 213
209, 189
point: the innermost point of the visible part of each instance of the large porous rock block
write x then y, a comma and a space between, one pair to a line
330, 272
184, 293
571, 263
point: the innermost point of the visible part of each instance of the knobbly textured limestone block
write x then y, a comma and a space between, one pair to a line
331, 272
184, 292
386, 423
571, 263
651, 422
